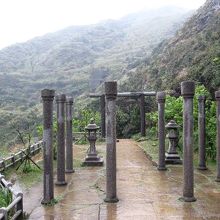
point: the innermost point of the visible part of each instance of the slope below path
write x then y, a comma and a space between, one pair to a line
143, 192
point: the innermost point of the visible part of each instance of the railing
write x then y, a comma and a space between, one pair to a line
16, 207
19, 156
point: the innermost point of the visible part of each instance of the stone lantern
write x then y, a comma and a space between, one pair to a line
172, 156
92, 159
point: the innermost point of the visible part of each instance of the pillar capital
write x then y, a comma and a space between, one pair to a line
217, 95
69, 100
61, 98
47, 94
111, 89
161, 97
201, 98
188, 89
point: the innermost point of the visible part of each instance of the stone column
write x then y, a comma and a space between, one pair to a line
102, 106
188, 91
161, 97
111, 94
47, 98
142, 114
202, 134
60, 100
69, 135
217, 96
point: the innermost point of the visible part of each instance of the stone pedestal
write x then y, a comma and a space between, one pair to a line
92, 158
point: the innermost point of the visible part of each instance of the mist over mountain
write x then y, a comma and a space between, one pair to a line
193, 53
76, 60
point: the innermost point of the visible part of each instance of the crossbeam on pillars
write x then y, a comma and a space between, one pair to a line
126, 94
140, 95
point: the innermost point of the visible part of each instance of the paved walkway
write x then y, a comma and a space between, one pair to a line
143, 192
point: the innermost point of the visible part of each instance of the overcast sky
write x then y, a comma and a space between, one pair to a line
21, 20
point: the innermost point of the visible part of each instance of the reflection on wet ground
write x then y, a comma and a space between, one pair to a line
143, 192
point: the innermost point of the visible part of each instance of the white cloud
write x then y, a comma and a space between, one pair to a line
21, 20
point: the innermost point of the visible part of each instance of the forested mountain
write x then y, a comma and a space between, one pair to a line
193, 53
76, 60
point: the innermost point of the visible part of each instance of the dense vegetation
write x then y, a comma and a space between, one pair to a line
174, 111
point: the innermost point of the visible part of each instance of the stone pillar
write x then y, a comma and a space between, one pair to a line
217, 96
102, 106
111, 94
202, 134
142, 114
188, 91
69, 135
161, 97
47, 98
60, 100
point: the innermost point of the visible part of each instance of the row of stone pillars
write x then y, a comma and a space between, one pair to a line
188, 91
63, 105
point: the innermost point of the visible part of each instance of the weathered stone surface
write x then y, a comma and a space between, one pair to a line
161, 97
172, 156
102, 109
69, 135
111, 89
47, 98
142, 113
111, 189
188, 90
92, 158
202, 133
60, 100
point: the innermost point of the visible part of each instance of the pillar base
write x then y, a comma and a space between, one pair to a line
60, 183
188, 199
161, 168
172, 158
46, 202
93, 161
202, 168
217, 179
113, 200
70, 171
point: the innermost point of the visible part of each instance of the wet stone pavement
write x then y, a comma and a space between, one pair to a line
143, 192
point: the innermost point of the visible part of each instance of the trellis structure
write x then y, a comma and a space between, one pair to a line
134, 95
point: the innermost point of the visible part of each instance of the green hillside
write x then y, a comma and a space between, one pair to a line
194, 53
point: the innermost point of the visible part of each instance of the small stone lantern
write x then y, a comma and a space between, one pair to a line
172, 156
92, 159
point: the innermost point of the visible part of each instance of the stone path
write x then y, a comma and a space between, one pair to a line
143, 192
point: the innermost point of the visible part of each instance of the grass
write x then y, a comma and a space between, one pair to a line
27, 176
5, 197
151, 148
